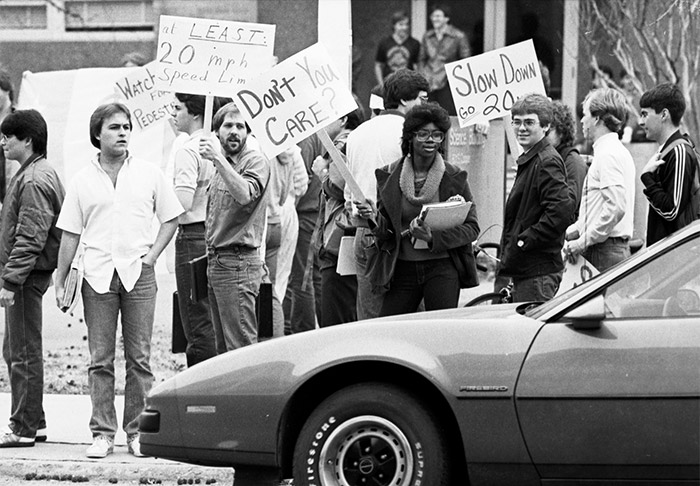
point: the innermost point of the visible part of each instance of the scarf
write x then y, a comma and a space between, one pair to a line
432, 182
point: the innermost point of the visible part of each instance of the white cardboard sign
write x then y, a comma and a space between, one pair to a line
294, 99
485, 87
147, 104
211, 57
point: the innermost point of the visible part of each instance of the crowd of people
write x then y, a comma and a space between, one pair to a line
282, 220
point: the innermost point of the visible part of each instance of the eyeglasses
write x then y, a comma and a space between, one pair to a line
527, 123
423, 98
424, 135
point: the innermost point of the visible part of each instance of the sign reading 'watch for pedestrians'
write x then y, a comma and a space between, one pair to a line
486, 86
211, 57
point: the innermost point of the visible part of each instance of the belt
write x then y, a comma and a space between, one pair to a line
618, 239
192, 226
233, 248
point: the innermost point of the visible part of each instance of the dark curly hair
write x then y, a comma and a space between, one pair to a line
419, 116
563, 123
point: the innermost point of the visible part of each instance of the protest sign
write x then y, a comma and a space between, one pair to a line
294, 99
576, 273
147, 104
210, 57
486, 86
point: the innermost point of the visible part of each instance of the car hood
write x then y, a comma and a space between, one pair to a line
452, 347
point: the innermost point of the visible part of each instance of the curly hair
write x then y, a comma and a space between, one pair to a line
610, 106
563, 123
419, 116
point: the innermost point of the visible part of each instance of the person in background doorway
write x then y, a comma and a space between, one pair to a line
441, 45
397, 51
29, 242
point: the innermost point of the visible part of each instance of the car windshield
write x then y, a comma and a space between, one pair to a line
536, 312
672, 274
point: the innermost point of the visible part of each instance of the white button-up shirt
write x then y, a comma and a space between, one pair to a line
116, 223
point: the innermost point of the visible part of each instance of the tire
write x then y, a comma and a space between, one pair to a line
485, 299
371, 434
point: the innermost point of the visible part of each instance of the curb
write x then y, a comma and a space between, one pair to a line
66, 463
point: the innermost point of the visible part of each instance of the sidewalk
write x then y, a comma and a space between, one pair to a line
63, 454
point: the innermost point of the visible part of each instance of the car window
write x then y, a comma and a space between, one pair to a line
668, 286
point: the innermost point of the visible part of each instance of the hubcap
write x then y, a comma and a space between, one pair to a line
366, 450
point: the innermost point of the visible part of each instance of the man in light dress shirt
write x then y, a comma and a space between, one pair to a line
108, 211
606, 212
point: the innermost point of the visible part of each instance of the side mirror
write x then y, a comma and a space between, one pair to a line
588, 315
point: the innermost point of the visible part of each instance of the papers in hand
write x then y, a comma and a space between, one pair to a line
442, 216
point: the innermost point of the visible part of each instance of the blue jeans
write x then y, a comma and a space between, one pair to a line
234, 276
369, 303
608, 253
23, 353
536, 289
137, 309
434, 281
195, 316
302, 304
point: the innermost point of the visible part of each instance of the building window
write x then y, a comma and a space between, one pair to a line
109, 15
22, 16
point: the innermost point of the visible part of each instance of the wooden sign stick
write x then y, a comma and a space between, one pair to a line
208, 115
340, 164
515, 148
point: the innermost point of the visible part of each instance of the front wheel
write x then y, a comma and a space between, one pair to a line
371, 434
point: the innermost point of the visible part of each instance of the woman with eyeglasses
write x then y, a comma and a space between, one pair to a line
421, 176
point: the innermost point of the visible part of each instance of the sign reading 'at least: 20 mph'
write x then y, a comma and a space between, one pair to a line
211, 57
485, 87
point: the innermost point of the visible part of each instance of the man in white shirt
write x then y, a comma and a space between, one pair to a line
191, 177
109, 210
372, 145
606, 213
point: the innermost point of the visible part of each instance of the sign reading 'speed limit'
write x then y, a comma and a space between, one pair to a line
211, 57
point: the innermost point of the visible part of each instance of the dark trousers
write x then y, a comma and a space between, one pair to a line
195, 316
23, 353
300, 302
436, 282
338, 297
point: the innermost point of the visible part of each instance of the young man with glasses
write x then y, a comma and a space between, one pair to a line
538, 208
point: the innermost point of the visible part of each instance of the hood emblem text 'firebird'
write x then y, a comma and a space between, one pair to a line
483, 388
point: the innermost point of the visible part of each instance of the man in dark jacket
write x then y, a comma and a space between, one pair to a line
538, 208
668, 180
28, 255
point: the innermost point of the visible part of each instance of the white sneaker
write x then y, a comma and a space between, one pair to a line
101, 447
134, 446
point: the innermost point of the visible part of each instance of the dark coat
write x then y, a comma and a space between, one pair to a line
30, 240
456, 241
538, 211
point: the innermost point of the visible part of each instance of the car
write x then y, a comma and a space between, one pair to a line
597, 386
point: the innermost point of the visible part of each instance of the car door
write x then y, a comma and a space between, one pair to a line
621, 401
